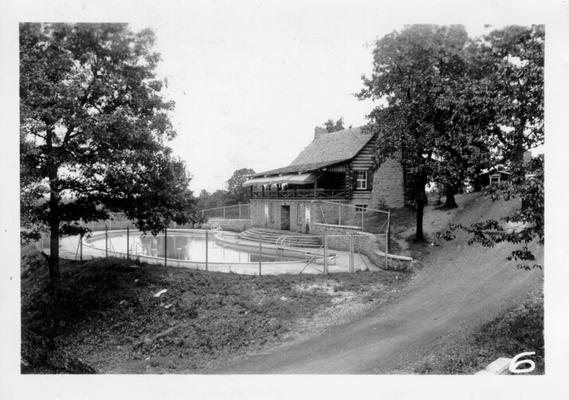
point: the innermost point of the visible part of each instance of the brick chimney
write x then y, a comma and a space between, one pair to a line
319, 131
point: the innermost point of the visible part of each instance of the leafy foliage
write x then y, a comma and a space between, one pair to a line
236, 192
511, 62
94, 130
332, 126
417, 75
451, 106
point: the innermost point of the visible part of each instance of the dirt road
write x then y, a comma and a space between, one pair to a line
458, 288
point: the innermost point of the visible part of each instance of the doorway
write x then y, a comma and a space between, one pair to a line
307, 218
285, 218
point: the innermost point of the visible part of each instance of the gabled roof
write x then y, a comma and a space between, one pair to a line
325, 150
497, 169
297, 168
294, 179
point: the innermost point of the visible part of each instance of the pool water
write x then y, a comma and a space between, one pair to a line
181, 246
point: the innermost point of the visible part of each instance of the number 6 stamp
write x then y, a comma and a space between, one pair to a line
515, 364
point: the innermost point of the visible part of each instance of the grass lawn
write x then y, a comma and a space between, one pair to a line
517, 330
111, 320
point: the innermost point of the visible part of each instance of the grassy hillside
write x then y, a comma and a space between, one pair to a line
111, 320
517, 330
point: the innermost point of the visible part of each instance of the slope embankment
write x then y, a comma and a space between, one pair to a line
457, 288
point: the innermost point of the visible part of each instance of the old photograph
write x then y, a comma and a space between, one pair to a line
273, 188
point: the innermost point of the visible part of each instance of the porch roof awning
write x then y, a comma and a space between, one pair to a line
295, 179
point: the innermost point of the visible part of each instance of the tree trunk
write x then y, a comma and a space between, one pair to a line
450, 200
421, 200
419, 237
53, 262
53, 226
517, 156
518, 167
54, 273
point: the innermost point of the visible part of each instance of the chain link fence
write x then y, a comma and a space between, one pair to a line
214, 250
358, 217
237, 211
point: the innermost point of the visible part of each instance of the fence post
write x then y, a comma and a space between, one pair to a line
239, 211
260, 252
165, 246
362, 219
387, 239
206, 248
223, 212
127, 243
339, 214
81, 248
351, 252
388, 230
325, 270
106, 241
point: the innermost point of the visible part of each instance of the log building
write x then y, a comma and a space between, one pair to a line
338, 166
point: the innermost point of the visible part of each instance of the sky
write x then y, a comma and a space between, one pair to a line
250, 85
252, 81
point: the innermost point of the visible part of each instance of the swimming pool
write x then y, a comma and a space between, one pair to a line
187, 246
226, 252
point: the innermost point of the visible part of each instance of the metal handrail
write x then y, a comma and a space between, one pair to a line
301, 193
222, 207
351, 206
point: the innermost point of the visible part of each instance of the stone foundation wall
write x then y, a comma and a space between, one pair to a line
364, 243
267, 214
388, 185
326, 213
233, 225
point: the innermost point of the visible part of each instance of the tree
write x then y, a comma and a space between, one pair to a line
206, 200
461, 119
202, 200
94, 132
332, 126
512, 61
414, 74
219, 198
237, 193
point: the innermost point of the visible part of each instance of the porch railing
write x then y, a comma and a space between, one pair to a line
301, 194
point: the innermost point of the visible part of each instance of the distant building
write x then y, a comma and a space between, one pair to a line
498, 173
337, 166
493, 175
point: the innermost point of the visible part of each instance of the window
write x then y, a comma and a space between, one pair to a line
494, 178
361, 180
361, 207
